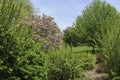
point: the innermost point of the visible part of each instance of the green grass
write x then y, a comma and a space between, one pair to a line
81, 48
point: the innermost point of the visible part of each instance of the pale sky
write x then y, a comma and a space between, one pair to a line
65, 12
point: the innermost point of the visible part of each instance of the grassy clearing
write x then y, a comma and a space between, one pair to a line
81, 48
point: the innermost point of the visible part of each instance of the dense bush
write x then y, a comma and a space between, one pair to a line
65, 65
21, 58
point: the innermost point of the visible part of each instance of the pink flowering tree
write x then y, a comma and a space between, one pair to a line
45, 30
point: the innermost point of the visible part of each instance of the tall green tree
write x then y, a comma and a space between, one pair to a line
70, 37
101, 28
110, 41
26, 11
98, 15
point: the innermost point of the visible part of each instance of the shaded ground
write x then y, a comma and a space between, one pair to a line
99, 72
93, 75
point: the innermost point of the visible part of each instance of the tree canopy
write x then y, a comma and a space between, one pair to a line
97, 16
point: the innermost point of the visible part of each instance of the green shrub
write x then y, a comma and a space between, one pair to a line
21, 58
65, 65
116, 78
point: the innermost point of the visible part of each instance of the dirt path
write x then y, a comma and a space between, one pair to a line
92, 75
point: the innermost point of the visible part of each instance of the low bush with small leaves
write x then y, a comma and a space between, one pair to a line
65, 65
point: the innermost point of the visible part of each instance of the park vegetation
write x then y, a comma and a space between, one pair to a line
99, 27
32, 47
